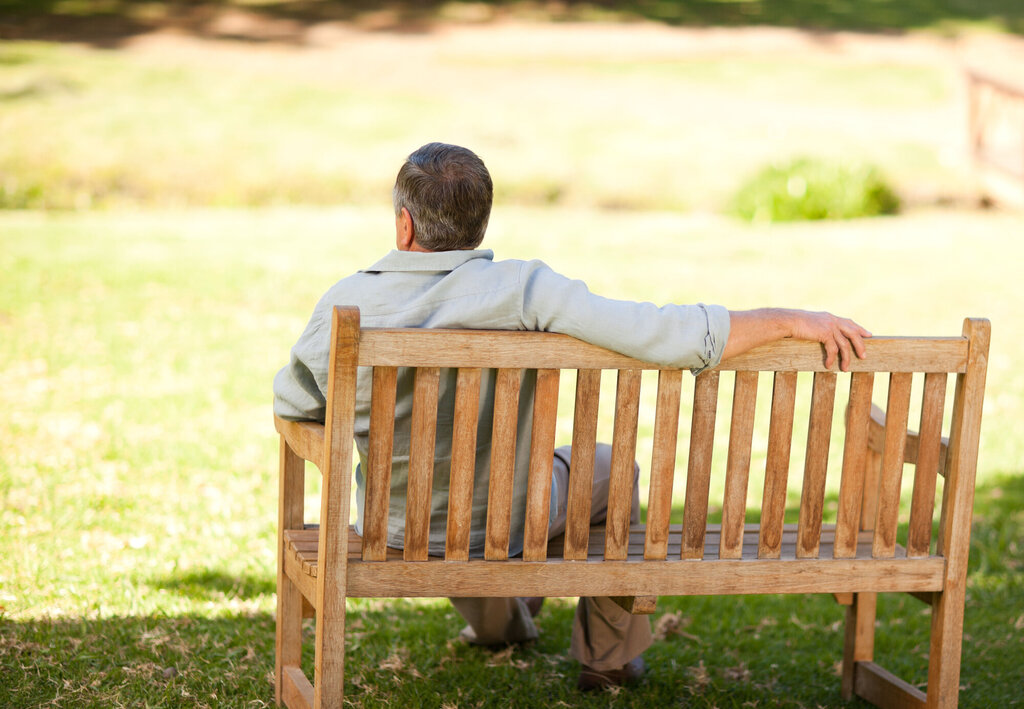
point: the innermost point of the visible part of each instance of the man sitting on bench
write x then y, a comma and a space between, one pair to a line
438, 278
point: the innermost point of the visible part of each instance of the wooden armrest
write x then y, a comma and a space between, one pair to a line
876, 440
306, 438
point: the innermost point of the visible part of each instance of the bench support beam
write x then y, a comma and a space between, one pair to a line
859, 646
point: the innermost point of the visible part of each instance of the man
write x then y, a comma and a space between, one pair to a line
438, 278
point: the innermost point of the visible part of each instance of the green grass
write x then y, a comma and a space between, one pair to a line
189, 125
138, 462
137, 458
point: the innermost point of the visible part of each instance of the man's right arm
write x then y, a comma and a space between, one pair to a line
840, 336
301, 385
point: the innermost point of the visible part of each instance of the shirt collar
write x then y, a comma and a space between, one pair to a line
431, 261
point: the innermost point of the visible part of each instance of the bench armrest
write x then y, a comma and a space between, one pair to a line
305, 438
876, 440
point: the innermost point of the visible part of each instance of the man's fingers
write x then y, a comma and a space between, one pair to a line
855, 334
842, 338
850, 336
831, 350
844, 353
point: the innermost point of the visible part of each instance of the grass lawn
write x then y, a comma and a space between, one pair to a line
138, 460
567, 117
139, 334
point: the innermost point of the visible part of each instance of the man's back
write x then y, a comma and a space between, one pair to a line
468, 290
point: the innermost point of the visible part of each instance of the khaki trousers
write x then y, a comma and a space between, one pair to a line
604, 636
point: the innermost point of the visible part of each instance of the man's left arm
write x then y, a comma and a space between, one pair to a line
686, 336
841, 337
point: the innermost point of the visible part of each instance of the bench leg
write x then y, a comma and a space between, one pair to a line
945, 649
329, 665
859, 645
288, 639
288, 642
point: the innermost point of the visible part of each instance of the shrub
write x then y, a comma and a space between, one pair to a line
814, 189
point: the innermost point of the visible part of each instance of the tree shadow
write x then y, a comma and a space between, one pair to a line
213, 584
109, 23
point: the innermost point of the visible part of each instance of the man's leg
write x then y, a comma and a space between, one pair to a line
496, 621
604, 636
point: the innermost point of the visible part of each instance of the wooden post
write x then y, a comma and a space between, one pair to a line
958, 504
329, 665
288, 640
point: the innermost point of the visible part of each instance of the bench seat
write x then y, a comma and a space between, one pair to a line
557, 577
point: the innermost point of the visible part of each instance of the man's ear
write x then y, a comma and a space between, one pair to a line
405, 231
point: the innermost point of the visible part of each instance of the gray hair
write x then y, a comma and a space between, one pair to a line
448, 193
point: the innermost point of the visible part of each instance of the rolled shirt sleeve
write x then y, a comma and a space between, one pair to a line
685, 336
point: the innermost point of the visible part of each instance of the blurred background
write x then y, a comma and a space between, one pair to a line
181, 181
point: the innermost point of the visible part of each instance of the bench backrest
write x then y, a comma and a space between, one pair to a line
865, 502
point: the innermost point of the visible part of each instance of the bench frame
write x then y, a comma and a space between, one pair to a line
854, 559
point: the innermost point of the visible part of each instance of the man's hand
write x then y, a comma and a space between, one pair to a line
840, 336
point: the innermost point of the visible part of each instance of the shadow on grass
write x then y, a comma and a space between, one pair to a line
211, 584
779, 651
108, 22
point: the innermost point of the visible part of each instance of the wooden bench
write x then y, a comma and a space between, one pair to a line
855, 556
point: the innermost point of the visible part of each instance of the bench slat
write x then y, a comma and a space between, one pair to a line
698, 474
503, 459
819, 433
542, 448
663, 463
851, 483
463, 463
421, 463
922, 504
620, 482
581, 464
737, 467
780, 437
886, 514
378, 463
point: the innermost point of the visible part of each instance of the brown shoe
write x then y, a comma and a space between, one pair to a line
591, 679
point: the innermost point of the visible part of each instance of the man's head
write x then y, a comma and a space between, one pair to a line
447, 193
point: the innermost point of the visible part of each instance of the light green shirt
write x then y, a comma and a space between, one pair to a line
468, 289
